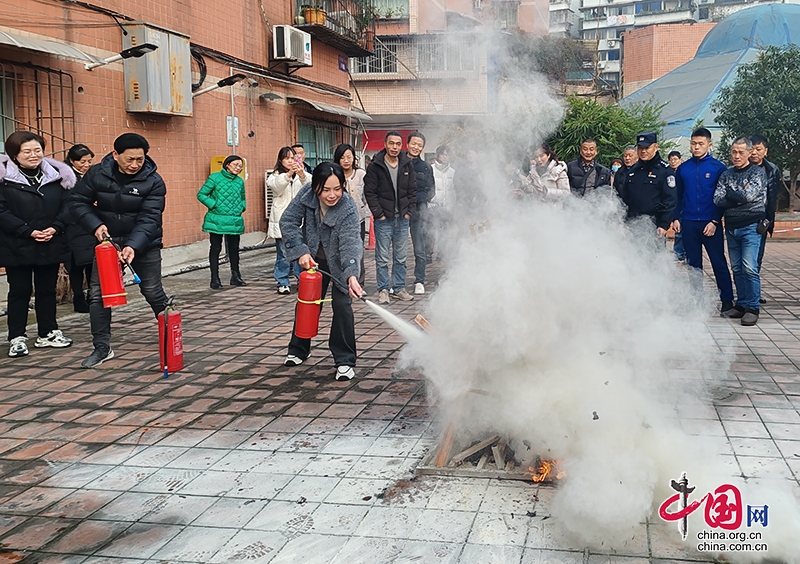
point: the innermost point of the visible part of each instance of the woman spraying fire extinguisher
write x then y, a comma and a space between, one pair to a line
321, 228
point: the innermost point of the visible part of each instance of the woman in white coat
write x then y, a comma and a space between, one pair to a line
286, 180
548, 176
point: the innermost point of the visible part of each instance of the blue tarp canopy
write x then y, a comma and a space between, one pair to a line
690, 89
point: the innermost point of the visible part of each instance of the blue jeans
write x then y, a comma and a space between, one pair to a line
392, 232
282, 266
678, 248
694, 241
419, 238
743, 245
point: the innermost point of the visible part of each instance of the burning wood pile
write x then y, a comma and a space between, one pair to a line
488, 458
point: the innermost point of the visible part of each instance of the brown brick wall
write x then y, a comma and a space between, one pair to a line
183, 146
653, 51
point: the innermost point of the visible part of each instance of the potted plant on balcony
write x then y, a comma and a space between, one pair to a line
315, 15
364, 26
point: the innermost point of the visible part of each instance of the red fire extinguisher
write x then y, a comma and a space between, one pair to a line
170, 336
309, 304
109, 270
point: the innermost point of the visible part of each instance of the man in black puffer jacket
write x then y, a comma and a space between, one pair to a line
123, 198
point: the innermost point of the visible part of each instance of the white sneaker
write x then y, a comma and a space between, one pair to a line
17, 347
419, 288
284, 290
292, 360
55, 338
344, 373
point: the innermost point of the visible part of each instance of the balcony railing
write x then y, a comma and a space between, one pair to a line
348, 25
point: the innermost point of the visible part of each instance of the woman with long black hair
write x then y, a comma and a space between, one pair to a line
345, 157
321, 228
286, 180
82, 243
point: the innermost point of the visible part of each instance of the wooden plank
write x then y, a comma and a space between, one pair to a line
499, 453
446, 445
482, 462
474, 449
423, 323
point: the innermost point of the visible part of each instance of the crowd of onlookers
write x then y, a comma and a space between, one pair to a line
698, 198
53, 213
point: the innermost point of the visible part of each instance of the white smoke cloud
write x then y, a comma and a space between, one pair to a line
564, 327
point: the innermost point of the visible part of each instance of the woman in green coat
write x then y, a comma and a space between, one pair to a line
223, 195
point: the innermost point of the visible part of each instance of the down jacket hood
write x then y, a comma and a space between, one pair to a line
53, 170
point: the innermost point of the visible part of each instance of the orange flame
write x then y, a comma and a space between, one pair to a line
547, 470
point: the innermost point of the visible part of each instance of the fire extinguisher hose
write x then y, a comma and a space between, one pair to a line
170, 301
126, 262
332, 277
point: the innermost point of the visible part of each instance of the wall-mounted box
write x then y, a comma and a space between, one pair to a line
159, 82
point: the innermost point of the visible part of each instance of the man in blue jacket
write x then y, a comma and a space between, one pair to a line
698, 219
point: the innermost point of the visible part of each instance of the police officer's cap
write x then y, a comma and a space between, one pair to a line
645, 139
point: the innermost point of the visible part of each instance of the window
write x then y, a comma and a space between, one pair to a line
383, 61
319, 140
648, 7
6, 111
613, 55
37, 99
508, 14
443, 54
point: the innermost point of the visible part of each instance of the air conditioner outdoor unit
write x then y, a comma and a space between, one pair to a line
601, 64
292, 45
612, 42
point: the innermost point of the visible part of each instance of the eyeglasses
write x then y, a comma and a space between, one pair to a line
30, 152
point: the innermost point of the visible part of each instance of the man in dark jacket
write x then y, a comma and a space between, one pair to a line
426, 189
584, 173
698, 220
742, 192
758, 156
649, 187
629, 158
301, 151
123, 198
390, 188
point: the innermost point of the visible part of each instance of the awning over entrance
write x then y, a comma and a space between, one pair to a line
374, 138
44, 46
330, 109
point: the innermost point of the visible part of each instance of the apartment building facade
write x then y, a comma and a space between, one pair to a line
606, 21
433, 66
170, 95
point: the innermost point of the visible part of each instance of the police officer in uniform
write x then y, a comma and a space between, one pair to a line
649, 187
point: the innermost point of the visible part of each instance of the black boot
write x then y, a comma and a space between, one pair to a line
216, 284
233, 255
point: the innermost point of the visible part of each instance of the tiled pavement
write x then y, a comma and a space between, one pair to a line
238, 459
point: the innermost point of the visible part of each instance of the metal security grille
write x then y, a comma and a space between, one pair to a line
443, 53
383, 61
37, 99
439, 53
